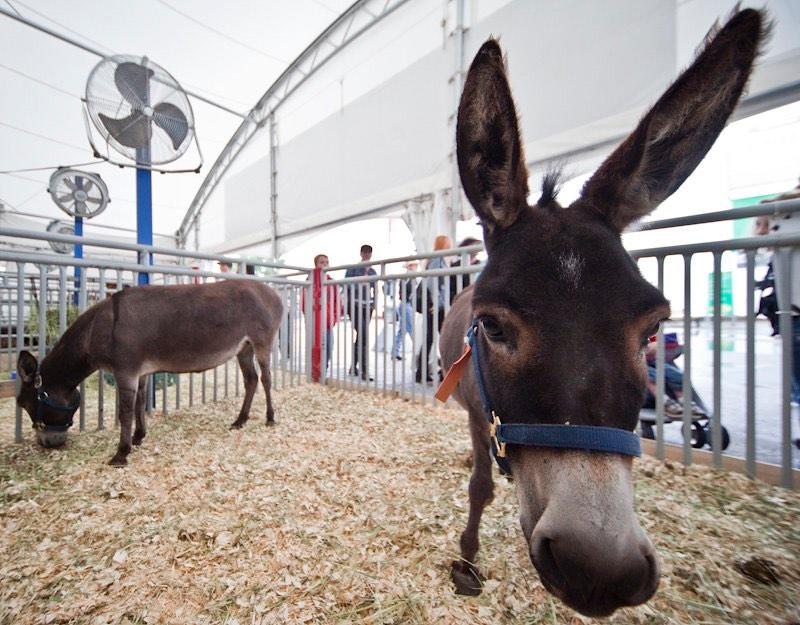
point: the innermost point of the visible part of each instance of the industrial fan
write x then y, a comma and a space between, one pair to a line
60, 227
141, 111
80, 194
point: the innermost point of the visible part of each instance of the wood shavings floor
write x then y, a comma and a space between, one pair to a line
347, 511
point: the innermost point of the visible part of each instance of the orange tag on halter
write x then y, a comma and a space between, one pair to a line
453, 376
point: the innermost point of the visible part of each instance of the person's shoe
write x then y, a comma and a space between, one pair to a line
398, 358
353, 372
367, 378
672, 408
697, 411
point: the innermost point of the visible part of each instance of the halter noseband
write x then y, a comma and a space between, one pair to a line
585, 437
43, 399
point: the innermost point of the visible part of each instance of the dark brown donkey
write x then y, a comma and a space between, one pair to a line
563, 316
137, 331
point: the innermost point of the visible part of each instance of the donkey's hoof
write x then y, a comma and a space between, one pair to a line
118, 461
270, 423
137, 439
237, 425
466, 578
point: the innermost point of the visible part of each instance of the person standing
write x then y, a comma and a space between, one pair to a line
332, 309
360, 306
466, 278
436, 306
787, 223
405, 311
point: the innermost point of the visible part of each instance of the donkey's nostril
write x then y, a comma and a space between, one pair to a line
544, 560
649, 582
594, 577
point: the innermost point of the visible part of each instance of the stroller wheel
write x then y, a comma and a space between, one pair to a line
647, 430
726, 437
698, 436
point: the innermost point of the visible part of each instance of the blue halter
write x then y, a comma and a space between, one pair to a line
586, 437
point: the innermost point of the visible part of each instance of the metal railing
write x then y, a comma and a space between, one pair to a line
40, 294
381, 341
735, 410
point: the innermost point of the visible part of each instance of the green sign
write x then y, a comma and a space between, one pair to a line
726, 293
725, 305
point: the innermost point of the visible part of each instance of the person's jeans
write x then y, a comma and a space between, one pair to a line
796, 357
328, 347
362, 316
405, 325
673, 377
429, 351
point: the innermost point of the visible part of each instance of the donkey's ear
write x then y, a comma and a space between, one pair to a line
679, 130
26, 366
488, 144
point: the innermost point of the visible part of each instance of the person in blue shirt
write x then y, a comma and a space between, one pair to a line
435, 302
360, 304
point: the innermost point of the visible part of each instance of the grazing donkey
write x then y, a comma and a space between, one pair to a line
559, 319
137, 331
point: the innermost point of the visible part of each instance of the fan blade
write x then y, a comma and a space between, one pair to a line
88, 184
65, 198
133, 131
69, 183
94, 200
80, 208
171, 120
132, 80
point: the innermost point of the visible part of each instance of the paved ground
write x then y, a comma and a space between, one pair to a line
768, 413
400, 376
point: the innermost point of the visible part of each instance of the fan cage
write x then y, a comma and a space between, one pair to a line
64, 186
104, 97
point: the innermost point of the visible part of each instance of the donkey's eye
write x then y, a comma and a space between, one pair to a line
492, 329
650, 335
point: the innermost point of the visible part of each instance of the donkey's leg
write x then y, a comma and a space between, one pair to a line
140, 431
262, 355
250, 376
126, 389
465, 576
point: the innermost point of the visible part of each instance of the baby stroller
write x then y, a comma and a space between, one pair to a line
701, 423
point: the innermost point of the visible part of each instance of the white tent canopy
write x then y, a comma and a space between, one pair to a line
582, 75
228, 52
372, 130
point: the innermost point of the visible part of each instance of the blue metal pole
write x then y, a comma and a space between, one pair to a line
78, 254
144, 217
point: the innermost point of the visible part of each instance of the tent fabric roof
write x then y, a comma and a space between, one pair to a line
227, 52
582, 75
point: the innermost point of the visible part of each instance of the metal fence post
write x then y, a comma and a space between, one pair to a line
20, 342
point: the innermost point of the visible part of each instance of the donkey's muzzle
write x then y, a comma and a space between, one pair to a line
50, 439
595, 574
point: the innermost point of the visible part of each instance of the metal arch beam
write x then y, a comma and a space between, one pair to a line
355, 21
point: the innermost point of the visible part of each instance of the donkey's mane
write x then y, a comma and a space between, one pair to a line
551, 185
